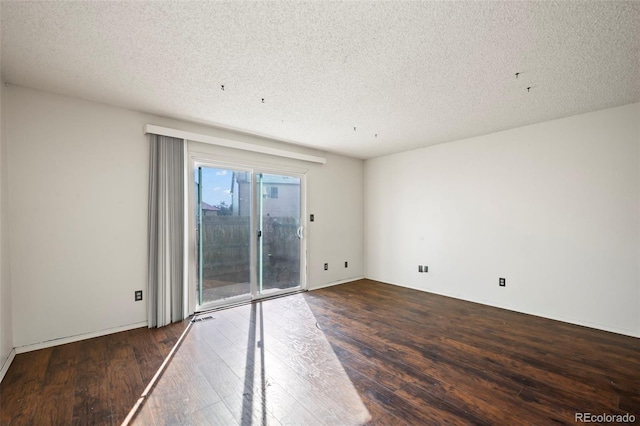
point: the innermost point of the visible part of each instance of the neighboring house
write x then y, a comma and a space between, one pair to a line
280, 195
241, 194
209, 210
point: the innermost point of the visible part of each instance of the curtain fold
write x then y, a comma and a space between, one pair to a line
166, 231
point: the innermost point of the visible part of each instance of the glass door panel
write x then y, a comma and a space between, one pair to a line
223, 235
279, 232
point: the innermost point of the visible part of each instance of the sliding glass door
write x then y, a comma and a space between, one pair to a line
223, 234
248, 234
279, 232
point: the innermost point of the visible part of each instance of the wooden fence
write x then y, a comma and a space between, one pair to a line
226, 242
226, 248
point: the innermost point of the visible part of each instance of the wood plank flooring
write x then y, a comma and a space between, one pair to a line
91, 382
357, 353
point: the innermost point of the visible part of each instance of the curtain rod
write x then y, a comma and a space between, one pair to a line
196, 137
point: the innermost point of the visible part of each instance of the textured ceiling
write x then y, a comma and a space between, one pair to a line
412, 73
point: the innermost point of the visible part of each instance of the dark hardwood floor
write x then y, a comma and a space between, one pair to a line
362, 352
91, 382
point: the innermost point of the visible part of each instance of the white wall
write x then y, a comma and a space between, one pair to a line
336, 198
78, 176
6, 326
553, 208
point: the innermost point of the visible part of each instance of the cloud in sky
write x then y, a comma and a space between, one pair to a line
214, 182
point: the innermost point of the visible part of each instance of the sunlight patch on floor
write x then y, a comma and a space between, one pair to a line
266, 363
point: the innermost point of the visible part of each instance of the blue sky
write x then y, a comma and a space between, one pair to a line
216, 185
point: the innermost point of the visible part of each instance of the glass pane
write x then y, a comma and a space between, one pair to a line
223, 216
279, 248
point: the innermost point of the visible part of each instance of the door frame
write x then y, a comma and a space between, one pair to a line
191, 283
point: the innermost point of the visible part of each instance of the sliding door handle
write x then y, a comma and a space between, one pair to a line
299, 232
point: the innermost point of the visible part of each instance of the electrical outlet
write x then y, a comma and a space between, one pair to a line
502, 282
326, 266
346, 264
419, 268
137, 295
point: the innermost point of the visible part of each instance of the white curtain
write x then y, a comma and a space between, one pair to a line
166, 231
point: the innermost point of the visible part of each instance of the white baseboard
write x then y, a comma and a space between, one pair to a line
77, 337
7, 363
331, 284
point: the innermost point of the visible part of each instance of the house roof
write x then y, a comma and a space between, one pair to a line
206, 206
